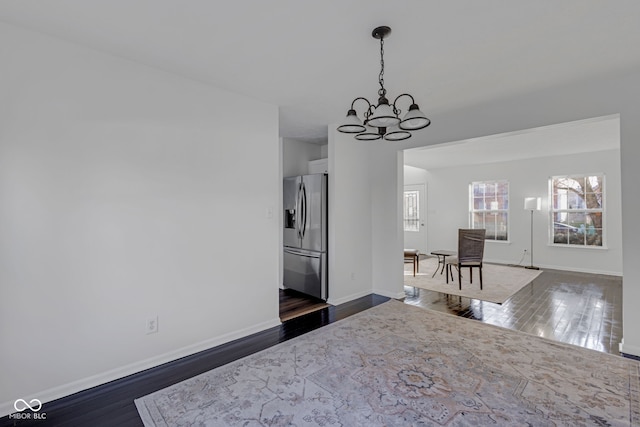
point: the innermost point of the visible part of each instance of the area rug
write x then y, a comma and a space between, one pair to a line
499, 282
400, 365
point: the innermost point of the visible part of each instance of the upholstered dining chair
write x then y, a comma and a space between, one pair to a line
413, 255
470, 254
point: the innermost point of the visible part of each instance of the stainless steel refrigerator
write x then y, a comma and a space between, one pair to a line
305, 235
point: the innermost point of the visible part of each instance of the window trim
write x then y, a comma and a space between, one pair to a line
602, 210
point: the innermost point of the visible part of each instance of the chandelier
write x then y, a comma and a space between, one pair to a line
383, 120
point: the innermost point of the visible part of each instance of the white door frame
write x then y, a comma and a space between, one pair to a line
412, 239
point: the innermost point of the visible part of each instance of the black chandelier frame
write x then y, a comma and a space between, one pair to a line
384, 116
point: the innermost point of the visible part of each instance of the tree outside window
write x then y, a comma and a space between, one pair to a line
489, 208
577, 210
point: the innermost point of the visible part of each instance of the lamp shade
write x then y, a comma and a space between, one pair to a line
370, 134
352, 123
414, 119
383, 117
532, 203
396, 134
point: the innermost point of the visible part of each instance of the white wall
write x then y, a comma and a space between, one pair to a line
122, 189
596, 96
296, 156
365, 231
324, 151
414, 176
350, 222
387, 241
449, 198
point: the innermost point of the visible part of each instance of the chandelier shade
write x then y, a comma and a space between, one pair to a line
383, 116
396, 134
414, 119
370, 134
382, 121
352, 123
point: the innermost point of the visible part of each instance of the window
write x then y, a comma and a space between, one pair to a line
489, 208
412, 210
577, 210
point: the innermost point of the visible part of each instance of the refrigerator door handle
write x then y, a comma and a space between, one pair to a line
303, 198
298, 213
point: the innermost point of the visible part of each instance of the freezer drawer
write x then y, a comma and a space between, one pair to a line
305, 271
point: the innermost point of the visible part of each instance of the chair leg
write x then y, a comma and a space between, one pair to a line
459, 277
480, 277
448, 271
470, 274
417, 263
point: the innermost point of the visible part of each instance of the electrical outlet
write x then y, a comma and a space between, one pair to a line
152, 325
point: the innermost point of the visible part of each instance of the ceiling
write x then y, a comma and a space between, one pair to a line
590, 135
313, 58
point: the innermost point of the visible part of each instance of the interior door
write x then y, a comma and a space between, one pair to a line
415, 217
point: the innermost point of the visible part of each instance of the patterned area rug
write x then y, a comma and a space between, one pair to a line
499, 282
399, 365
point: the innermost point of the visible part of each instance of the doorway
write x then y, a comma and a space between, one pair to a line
295, 304
414, 217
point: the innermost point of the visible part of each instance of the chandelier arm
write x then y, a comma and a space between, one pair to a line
396, 110
364, 99
413, 101
369, 109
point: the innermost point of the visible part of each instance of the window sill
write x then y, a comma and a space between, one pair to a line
601, 248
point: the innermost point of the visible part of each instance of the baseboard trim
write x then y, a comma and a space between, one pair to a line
630, 351
384, 293
581, 270
338, 301
558, 267
64, 390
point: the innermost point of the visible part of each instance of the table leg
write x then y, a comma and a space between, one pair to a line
437, 267
444, 263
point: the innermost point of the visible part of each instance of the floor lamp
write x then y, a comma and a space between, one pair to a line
532, 204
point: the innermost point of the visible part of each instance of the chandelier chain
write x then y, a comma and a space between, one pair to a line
382, 91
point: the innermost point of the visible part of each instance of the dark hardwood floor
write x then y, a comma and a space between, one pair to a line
112, 404
576, 308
